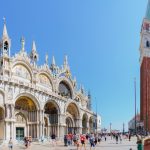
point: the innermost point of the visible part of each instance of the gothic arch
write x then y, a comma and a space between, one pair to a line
68, 83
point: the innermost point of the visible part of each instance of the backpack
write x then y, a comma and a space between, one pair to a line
91, 139
82, 139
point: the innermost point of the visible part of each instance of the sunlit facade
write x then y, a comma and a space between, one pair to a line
39, 101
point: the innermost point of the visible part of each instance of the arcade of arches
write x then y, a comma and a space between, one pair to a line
87, 126
29, 120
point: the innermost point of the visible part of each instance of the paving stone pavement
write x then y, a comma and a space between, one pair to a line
104, 145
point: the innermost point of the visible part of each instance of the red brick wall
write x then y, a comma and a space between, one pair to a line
145, 91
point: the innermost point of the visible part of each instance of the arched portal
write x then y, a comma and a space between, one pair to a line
91, 125
84, 124
26, 117
69, 125
1, 124
51, 112
20, 126
72, 112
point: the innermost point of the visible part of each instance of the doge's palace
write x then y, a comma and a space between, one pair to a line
39, 101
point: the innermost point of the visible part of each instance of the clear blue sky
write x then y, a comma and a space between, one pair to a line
100, 37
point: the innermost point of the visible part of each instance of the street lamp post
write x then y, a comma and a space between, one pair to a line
110, 127
123, 128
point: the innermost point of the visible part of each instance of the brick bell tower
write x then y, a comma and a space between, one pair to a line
145, 70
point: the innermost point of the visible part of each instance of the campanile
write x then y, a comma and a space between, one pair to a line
145, 70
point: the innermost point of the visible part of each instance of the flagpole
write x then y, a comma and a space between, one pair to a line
135, 101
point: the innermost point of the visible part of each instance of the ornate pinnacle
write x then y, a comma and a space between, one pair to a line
46, 59
5, 34
22, 44
53, 61
33, 46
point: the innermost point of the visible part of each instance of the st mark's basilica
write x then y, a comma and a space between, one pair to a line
39, 101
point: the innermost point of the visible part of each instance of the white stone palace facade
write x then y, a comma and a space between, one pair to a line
39, 101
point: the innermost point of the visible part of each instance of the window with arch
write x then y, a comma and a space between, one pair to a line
64, 90
6, 46
147, 44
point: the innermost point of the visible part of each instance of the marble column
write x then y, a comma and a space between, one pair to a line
41, 123
62, 125
79, 126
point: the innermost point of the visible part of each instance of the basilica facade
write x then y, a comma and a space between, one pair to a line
39, 101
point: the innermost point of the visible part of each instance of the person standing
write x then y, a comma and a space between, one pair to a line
105, 138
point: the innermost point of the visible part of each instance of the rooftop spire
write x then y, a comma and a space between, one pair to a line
147, 16
5, 34
22, 44
46, 58
34, 54
66, 62
53, 65
53, 61
33, 46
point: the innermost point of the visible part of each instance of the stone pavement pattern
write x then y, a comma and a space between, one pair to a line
108, 145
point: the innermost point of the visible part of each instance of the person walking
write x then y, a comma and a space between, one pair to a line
116, 138
75, 139
92, 142
10, 144
65, 140
82, 139
78, 144
99, 139
129, 136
